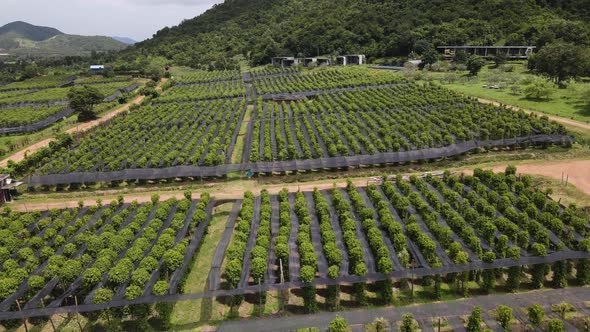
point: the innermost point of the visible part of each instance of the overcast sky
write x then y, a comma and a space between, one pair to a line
137, 19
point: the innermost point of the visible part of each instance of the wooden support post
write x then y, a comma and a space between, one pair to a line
567, 179
24, 319
281, 267
50, 319
77, 317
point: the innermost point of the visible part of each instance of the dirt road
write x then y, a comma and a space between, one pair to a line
558, 119
79, 128
234, 192
577, 170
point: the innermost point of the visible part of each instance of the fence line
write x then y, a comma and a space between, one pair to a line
373, 277
291, 165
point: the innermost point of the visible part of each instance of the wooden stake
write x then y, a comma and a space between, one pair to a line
281, 266
50, 319
24, 319
561, 177
77, 318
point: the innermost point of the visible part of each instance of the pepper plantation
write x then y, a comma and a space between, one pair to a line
215, 124
490, 229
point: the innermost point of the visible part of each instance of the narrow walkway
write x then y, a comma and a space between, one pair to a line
420, 312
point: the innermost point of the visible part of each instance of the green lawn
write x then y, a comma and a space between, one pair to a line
571, 102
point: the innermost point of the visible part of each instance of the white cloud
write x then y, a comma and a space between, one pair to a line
138, 19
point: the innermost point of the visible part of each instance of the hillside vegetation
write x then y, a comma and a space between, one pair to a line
22, 30
260, 29
20, 38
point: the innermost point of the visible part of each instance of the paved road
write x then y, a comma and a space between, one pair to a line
420, 312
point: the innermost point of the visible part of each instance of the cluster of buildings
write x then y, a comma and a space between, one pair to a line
448, 52
511, 52
343, 60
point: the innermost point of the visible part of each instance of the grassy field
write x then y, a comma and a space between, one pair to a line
237, 153
192, 315
566, 194
571, 102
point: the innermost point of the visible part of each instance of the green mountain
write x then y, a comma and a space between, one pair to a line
25, 30
20, 38
260, 29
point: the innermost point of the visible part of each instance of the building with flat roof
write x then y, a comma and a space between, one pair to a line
320, 61
351, 60
511, 52
278, 61
96, 68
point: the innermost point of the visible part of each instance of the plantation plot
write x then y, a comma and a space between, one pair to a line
98, 79
158, 136
191, 77
273, 71
495, 225
31, 110
99, 254
41, 82
367, 126
379, 120
41, 96
210, 90
322, 79
424, 226
15, 93
21, 116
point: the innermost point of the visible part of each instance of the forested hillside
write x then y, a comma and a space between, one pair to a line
260, 29
24, 39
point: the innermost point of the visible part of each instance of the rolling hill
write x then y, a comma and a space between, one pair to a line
21, 38
125, 40
260, 29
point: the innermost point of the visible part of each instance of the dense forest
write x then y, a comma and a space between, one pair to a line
260, 29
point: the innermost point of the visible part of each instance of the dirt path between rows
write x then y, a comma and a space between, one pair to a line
559, 119
79, 128
576, 170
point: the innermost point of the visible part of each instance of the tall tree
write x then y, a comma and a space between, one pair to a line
474, 64
83, 99
561, 61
